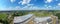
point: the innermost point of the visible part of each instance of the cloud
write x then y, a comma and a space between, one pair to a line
12, 1
24, 2
20, 2
58, 4
34, 8
31, 7
48, 1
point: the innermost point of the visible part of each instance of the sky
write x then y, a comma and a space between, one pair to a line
29, 5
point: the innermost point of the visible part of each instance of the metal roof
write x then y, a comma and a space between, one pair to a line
41, 19
22, 18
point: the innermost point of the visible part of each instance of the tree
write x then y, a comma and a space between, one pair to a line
58, 15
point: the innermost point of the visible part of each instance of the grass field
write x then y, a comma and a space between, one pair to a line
3, 16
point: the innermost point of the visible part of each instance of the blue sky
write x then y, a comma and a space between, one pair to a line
29, 4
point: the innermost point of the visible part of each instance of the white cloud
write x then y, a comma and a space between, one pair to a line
24, 2
32, 7
49, 6
45, 5
24, 8
12, 1
20, 2
48, 1
28, 5
58, 4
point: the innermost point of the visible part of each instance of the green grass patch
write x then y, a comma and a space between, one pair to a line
3, 16
41, 14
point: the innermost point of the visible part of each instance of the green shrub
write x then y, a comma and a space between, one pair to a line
58, 15
3, 18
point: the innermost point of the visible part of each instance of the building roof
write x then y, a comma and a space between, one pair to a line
22, 18
41, 19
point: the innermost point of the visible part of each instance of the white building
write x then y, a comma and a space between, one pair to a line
23, 19
30, 19
42, 20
